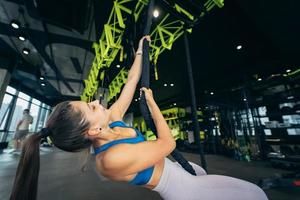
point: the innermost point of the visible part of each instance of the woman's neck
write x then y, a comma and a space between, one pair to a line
108, 136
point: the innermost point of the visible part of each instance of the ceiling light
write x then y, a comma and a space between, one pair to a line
42, 78
155, 13
135, 99
43, 84
171, 84
26, 51
211, 93
22, 38
288, 70
259, 79
239, 47
15, 24
290, 97
245, 99
118, 66
165, 85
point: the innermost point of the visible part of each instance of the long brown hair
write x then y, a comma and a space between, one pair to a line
67, 127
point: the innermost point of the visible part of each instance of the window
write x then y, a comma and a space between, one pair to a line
293, 131
11, 90
239, 132
4, 111
6, 106
268, 132
262, 111
291, 119
252, 131
36, 102
34, 112
38, 110
41, 120
263, 120
43, 116
24, 96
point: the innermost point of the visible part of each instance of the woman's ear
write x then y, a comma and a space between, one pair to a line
93, 132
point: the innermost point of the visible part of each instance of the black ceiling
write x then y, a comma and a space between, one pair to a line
61, 32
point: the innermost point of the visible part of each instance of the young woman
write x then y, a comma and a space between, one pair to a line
121, 152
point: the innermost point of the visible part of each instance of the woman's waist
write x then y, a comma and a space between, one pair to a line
156, 175
171, 173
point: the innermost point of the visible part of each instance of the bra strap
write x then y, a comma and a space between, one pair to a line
117, 124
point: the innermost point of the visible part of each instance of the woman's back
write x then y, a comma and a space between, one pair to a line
148, 177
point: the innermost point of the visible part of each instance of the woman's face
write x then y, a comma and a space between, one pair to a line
94, 113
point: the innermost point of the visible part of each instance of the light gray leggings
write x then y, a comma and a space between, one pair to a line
177, 184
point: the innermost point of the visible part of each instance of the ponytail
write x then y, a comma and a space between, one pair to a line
26, 179
66, 127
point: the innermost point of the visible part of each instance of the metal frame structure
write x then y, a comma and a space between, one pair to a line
109, 44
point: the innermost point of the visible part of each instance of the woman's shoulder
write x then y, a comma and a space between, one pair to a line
109, 171
111, 157
112, 162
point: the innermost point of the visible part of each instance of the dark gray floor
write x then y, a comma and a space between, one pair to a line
61, 178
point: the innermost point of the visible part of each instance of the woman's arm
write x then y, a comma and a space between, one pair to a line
163, 130
125, 159
121, 105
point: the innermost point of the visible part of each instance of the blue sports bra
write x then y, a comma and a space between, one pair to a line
141, 177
